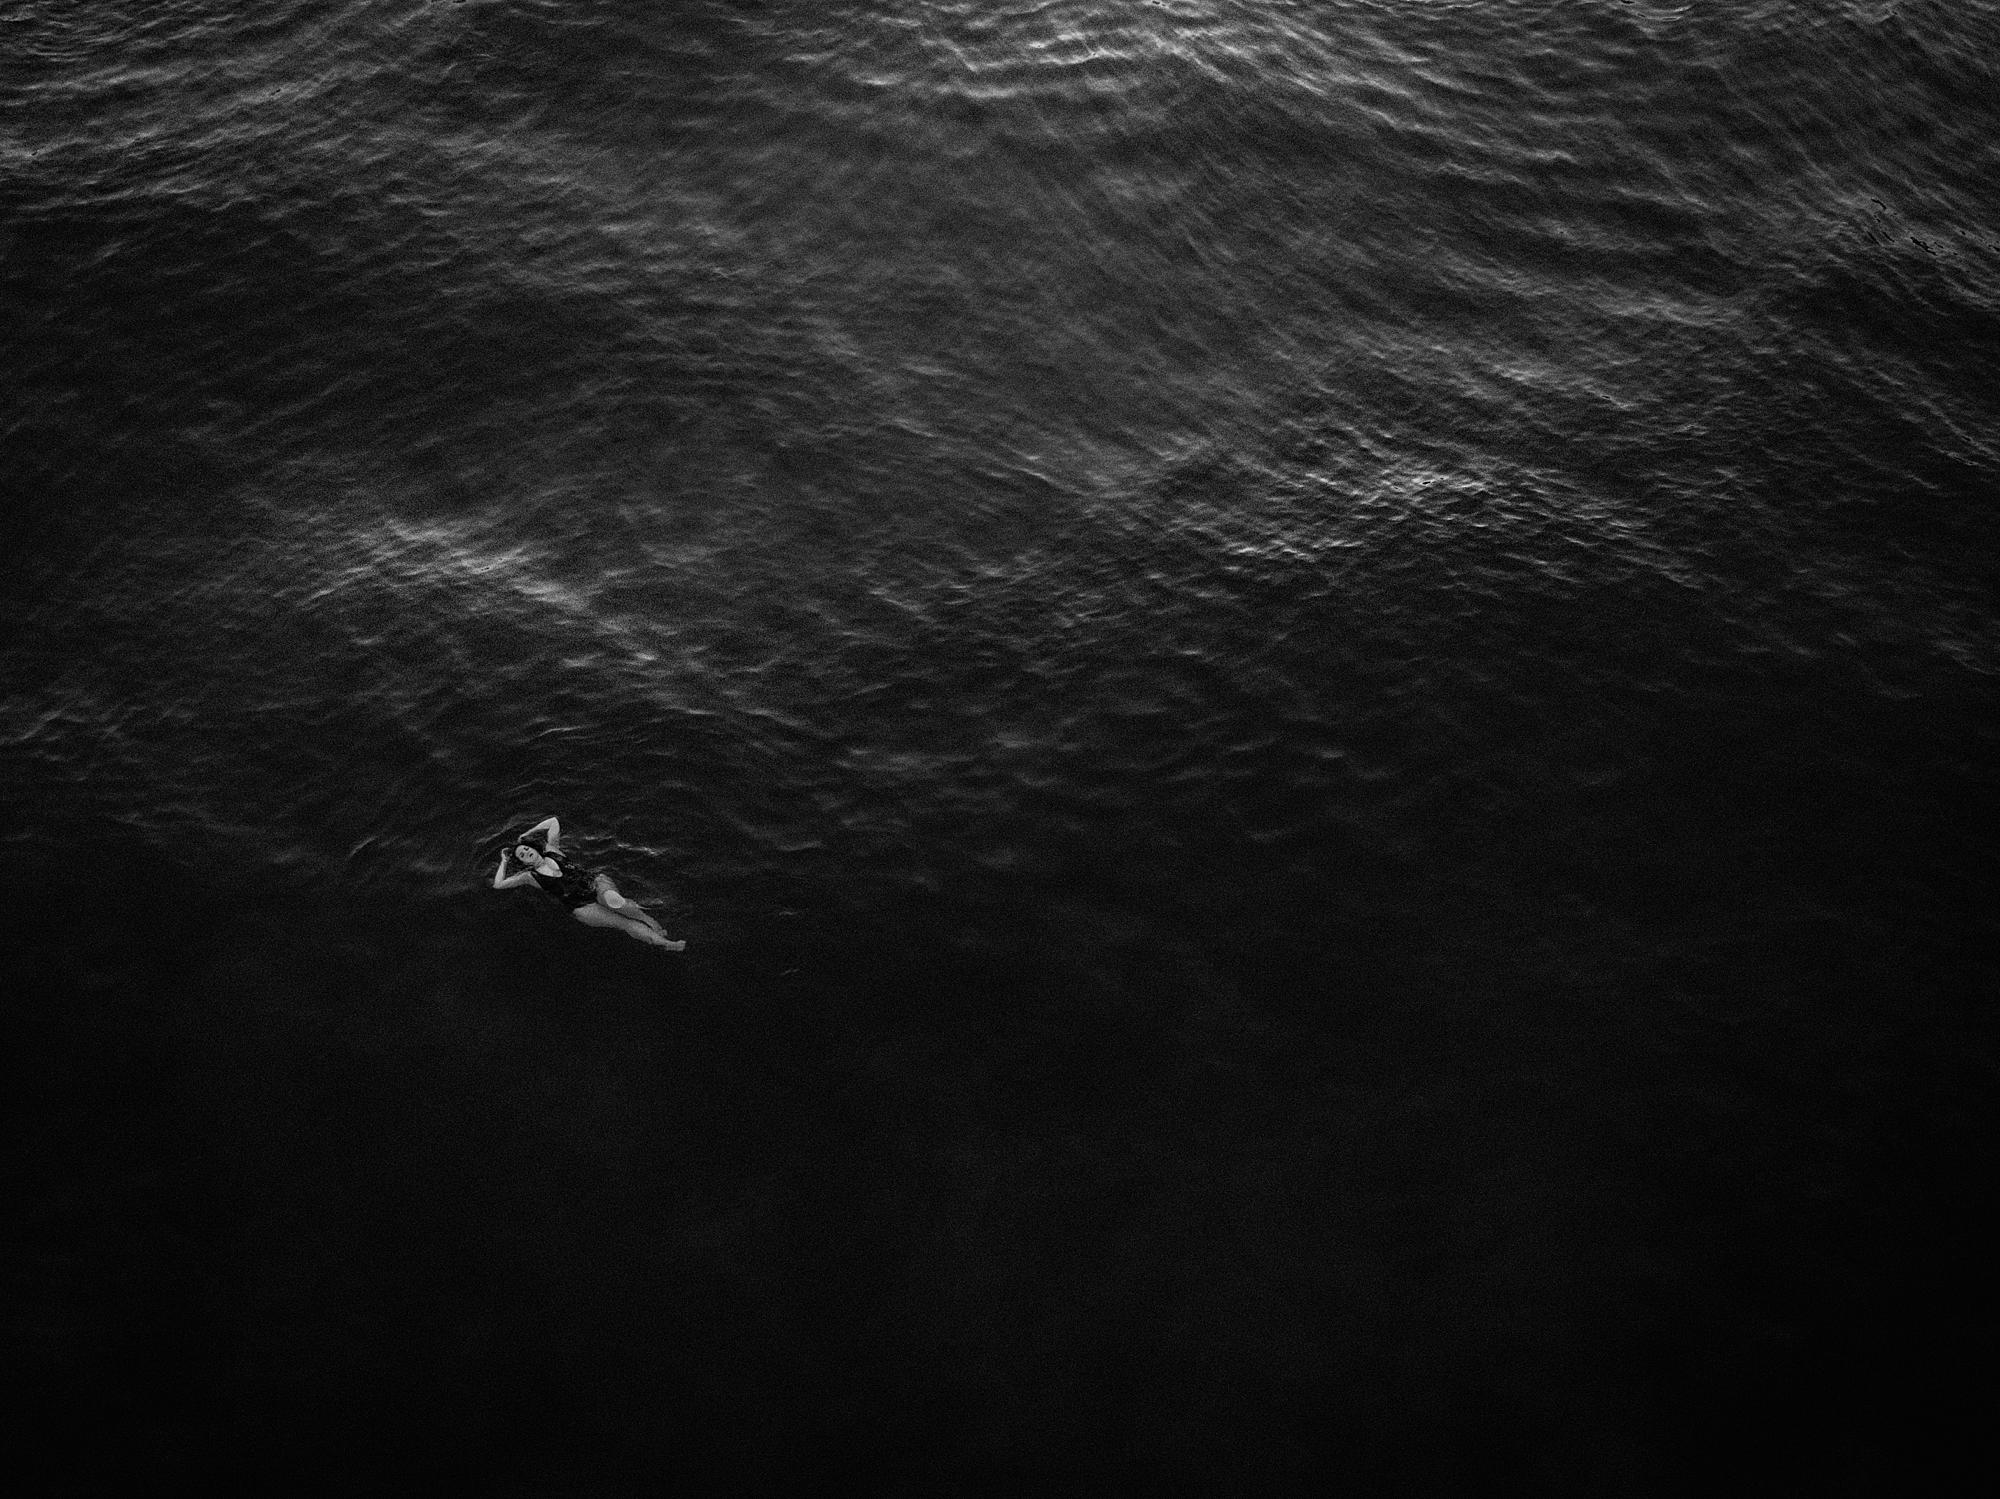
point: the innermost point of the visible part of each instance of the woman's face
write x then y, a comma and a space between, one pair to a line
526, 854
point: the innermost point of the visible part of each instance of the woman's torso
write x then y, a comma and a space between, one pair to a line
572, 885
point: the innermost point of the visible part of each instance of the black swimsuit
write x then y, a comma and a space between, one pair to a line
575, 887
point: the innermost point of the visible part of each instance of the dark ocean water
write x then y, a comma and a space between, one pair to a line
1316, 683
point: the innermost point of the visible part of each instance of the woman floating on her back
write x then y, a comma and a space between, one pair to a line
591, 898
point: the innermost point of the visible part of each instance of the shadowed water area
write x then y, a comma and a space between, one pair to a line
1316, 684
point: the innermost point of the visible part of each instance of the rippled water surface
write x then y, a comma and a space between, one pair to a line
1315, 681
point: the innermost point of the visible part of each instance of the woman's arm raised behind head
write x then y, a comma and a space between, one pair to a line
505, 881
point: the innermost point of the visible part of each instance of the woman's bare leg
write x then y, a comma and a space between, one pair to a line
602, 916
620, 906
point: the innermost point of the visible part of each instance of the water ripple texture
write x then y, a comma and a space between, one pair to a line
900, 433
